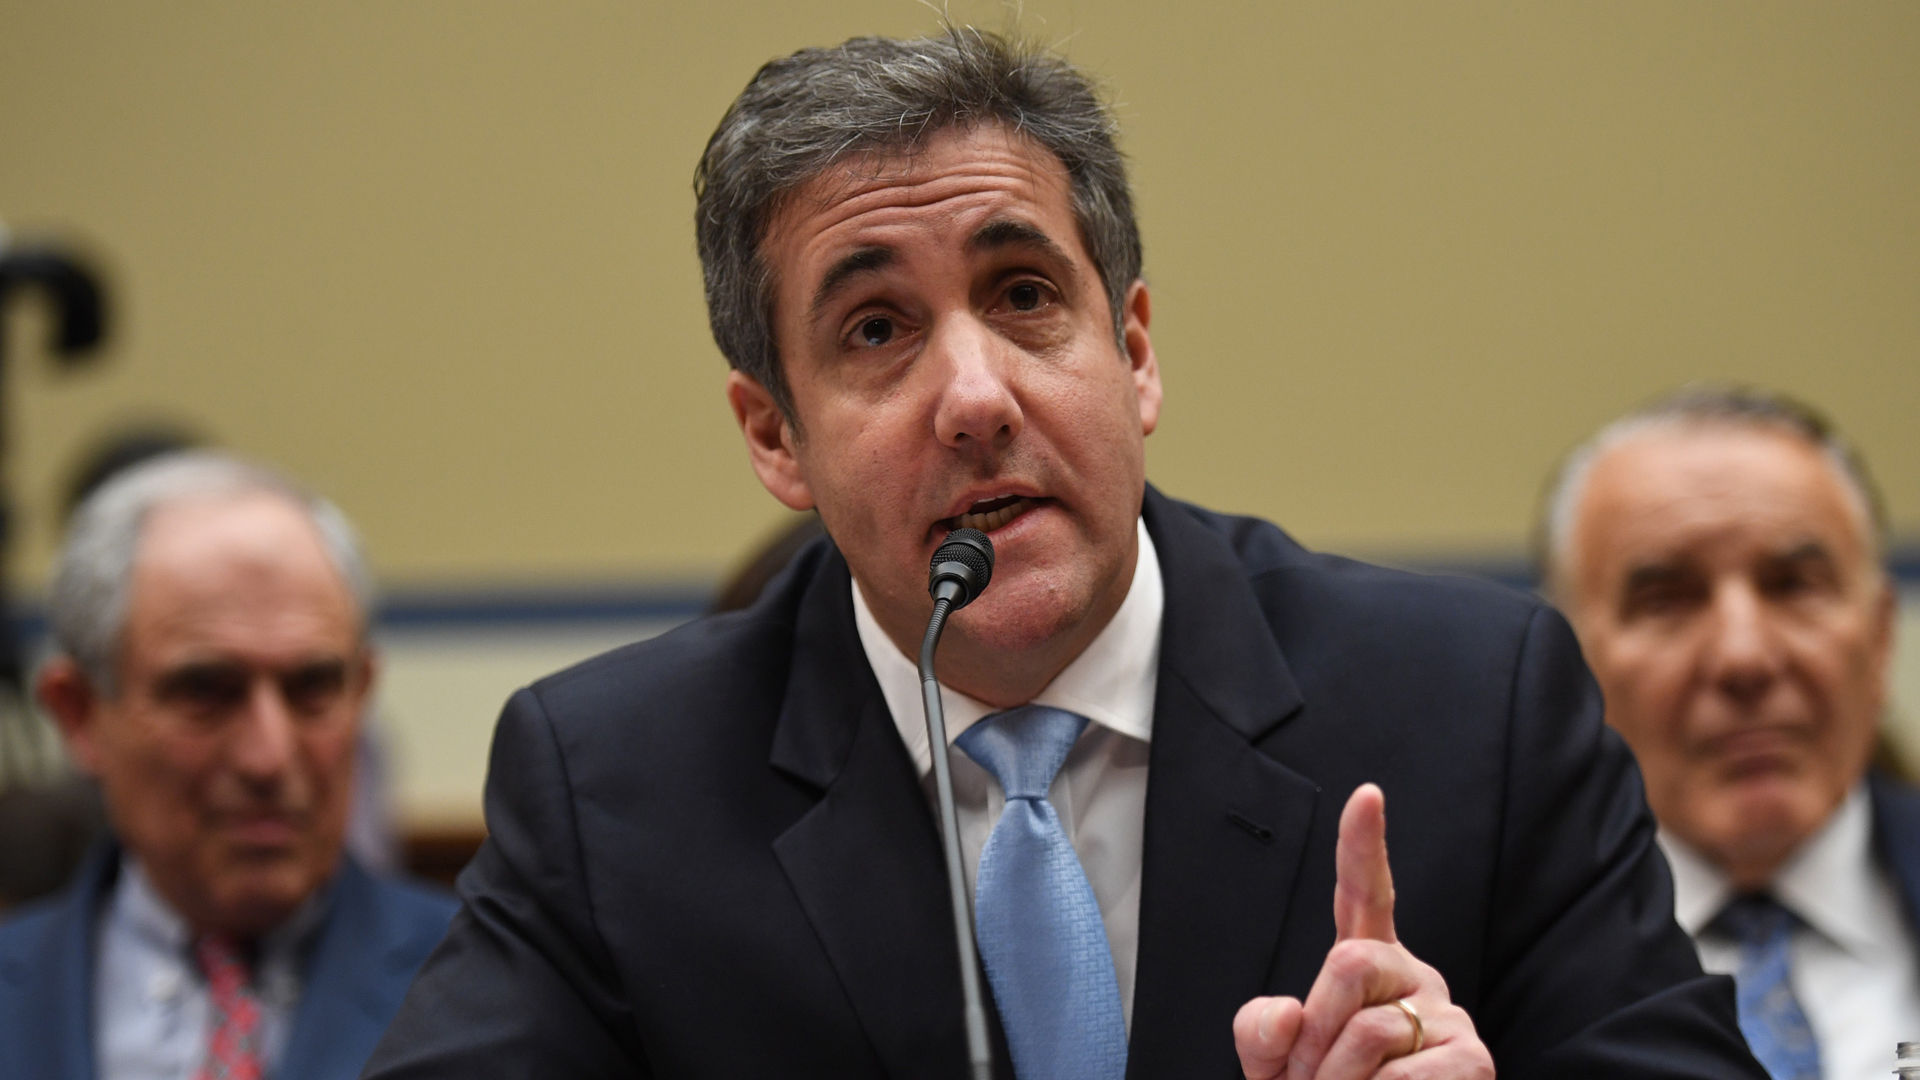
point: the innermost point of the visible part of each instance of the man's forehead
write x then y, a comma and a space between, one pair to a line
950, 184
217, 531
1662, 493
258, 558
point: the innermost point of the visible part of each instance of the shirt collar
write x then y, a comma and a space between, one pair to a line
1111, 682
1830, 883
140, 909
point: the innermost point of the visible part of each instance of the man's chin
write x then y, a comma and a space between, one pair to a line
256, 904
259, 888
1021, 615
1763, 818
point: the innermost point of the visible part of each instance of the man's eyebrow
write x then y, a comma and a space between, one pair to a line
1806, 550
1647, 575
867, 260
1006, 232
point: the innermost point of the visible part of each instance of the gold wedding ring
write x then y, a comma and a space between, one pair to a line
1419, 1029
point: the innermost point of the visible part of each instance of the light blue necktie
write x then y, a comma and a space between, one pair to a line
1039, 927
1770, 1015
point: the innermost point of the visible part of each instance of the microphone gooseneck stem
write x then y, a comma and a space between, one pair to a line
978, 1052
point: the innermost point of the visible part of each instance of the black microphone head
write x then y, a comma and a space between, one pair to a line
964, 559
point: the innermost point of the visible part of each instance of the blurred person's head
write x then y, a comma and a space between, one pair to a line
119, 450
922, 264
210, 620
1718, 553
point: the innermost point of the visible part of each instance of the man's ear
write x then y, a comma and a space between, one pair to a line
1146, 369
1886, 617
770, 441
369, 671
70, 698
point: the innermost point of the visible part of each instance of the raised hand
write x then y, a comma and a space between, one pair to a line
1375, 1010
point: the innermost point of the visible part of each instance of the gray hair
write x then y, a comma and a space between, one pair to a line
92, 581
1699, 404
876, 97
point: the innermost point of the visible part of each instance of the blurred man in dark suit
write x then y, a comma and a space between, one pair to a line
211, 620
712, 854
1719, 555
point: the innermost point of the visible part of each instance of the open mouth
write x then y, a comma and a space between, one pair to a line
989, 514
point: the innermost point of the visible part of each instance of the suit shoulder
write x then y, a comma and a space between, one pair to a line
415, 916
702, 660
712, 658
417, 903
26, 927
1296, 584
38, 940
402, 915
1894, 796
1896, 813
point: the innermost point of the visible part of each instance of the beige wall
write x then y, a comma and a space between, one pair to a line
437, 257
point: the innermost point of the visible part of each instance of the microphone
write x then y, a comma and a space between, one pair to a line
962, 566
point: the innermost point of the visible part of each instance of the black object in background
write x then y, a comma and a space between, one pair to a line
79, 307
46, 819
73, 289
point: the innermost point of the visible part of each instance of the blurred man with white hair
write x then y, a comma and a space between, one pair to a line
1718, 553
210, 618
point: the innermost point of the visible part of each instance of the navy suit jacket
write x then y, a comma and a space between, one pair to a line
375, 936
711, 855
1896, 837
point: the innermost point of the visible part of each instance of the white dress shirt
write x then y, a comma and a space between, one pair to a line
1101, 791
1852, 960
153, 1015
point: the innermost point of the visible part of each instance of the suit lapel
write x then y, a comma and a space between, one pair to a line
865, 861
1226, 826
354, 982
56, 1033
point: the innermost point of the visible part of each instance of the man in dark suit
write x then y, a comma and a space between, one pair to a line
712, 854
213, 668
1719, 553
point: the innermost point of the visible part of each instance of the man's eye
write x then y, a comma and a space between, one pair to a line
875, 332
314, 689
1024, 296
209, 689
1666, 597
1791, 578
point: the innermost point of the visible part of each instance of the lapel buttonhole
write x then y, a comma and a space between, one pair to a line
1253, 828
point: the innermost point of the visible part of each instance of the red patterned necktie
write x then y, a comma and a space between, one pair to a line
233, 1053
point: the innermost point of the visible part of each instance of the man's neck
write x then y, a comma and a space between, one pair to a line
167, 907
1006, 679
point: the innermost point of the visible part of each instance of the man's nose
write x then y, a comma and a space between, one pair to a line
977, 406
263, 741
1744, 655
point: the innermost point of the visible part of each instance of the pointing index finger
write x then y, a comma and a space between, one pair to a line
1363, 891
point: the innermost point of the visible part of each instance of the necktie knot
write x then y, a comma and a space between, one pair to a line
1023, 748
1756, 920
1771, 1017
224, 963
233, 1046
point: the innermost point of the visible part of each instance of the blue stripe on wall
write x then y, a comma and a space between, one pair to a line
1903, 562
475, 608
615, 603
